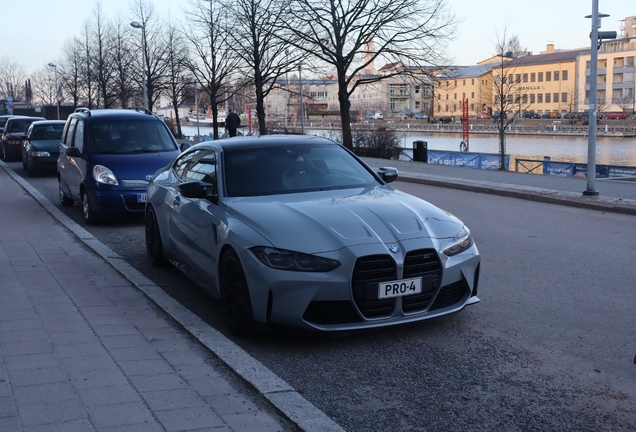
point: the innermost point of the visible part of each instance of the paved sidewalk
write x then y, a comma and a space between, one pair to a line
82, 349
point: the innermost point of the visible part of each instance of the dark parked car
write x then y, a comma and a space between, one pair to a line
14, 129
4, 118
528, 115
296, 230
107, 158
41, 147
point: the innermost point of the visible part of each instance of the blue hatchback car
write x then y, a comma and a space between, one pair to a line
107, 158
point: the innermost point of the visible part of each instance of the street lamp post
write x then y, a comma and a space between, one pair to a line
10, 97
138, 25
57, 91
302, 108
196, 107
287, 93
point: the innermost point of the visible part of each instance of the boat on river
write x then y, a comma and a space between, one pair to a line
205, 119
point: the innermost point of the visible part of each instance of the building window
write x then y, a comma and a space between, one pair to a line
511, 78
564, 76
472, 95
556, 75
464, 95
509, 99
533, 77
618, 78
628, 77
417, 89
524, 99
464, 82
532, 98
472, 107
518, 78
525, 77
547, 98
564, 97
555, 97
472, 82
540, 77
455, 96
629, 61
417, 105
540, 98
439, 96
454, 108
548, 76
446, 108
447, 96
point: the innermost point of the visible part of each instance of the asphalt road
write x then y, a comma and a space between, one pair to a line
550, 346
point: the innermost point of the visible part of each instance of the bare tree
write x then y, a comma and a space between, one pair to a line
70, 69
87, 73
213, 63
102, 58
177, 83
11, 72
507, 99
350, 35
122, 57
43, 85
154, 45
255, 41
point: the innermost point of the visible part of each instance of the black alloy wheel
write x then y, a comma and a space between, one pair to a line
235, 296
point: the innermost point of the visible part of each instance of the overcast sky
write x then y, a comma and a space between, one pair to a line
35, 30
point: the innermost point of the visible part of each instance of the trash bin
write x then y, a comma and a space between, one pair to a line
420, 151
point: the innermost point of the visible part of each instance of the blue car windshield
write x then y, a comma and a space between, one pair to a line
292, 168
129, 136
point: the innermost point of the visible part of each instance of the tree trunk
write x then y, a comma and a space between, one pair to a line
345, 105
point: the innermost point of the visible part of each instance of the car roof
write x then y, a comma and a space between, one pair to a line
49, 122
237, 143
25, 117
113, 114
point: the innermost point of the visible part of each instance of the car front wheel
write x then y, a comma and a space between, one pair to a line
154, 247
87, 209
235, 296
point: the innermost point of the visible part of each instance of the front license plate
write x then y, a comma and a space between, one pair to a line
399, 288
141, 198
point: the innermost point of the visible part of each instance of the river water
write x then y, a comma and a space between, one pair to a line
609, 150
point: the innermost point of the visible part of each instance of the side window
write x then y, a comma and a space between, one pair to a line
78, 141
202, 167
182, 163
67, 136
29, 131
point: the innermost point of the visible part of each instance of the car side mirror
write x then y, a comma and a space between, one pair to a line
73, 152
199, 189
388, 174
184, 146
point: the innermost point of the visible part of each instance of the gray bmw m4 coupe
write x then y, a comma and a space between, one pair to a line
298, 231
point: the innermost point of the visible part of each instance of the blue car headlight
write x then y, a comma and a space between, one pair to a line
293, 261
462, 241
101, 174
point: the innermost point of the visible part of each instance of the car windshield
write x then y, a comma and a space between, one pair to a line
292, 168
129, 136
47, 132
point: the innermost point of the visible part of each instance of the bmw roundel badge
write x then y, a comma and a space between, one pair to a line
394, 249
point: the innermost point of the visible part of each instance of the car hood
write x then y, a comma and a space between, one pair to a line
46, 145
326, 221
135, 166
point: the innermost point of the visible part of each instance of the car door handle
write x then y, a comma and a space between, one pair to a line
176, 201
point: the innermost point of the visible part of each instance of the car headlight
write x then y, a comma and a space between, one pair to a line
294, 261
101, 174
40, 154
460, 243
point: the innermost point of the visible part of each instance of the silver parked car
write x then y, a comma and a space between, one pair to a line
298, 231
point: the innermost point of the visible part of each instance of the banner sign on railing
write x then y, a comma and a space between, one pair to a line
467, 160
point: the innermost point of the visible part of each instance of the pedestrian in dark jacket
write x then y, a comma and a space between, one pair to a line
232, 121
